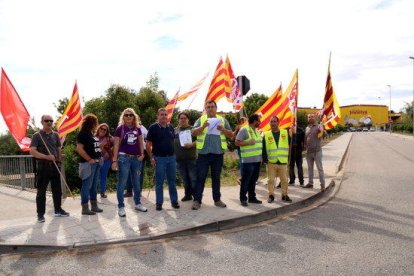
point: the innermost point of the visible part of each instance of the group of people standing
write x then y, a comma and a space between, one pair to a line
194, 151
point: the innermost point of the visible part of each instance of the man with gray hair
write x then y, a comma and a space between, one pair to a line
313, 135
46, 148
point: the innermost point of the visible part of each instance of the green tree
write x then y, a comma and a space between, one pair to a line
302, 119
61, 105
232, 118
408, 109
8, 145
116, 99
147, 103
96, 106
254, 102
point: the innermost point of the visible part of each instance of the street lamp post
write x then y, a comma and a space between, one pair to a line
389, 121
412, 103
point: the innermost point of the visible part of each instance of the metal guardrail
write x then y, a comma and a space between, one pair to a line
18, 171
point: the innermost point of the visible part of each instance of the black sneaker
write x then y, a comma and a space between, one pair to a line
271, 199
278, 186
291, 182
301, 184
286, 198
41, 219
255, 201
61, 213
244, 203
158, 207
175, 205
128, 194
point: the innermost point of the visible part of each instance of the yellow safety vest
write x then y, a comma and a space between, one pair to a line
278, 152
201, 138
252, 150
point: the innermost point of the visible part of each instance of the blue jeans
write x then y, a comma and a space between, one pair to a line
89, 185
248, 182
103, 175
165, 166
204, 162
141, 179
240, 162
188, 172
128, 166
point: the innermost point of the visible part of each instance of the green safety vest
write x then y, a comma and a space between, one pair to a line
201, 138
252, 150
278, 152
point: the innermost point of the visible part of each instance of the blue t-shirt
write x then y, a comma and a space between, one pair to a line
162, 139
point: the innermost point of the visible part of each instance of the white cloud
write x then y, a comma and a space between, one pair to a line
46, 45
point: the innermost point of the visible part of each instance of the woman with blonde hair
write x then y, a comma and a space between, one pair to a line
144, 132
106, 144
128, 156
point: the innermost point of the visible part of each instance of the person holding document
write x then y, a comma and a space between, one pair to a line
211, 131
186, 155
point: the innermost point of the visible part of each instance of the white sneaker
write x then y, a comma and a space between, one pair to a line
140, 207
121, 212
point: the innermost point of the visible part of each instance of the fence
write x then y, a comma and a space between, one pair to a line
18, 171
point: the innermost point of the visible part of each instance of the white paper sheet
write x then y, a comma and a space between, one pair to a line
185, 137
212, 128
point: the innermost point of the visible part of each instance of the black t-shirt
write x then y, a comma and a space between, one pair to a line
51, 139
90, 145
162, 139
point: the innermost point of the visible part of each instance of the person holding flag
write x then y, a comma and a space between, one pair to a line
314, 150
46, 148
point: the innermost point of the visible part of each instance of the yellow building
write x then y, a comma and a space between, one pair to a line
364, 114
361, 114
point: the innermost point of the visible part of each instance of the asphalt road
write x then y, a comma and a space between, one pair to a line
367, 229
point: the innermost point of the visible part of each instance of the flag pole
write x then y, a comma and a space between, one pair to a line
57, 167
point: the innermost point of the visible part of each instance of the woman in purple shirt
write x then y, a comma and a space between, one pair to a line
128, 155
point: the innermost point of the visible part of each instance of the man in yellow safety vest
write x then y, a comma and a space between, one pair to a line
250, 142
275, 154
211, 131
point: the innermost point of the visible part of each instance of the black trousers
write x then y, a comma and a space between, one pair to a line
47, 172
295, 158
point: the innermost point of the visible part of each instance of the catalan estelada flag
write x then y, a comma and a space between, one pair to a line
330, 111
14, 112
71, 118
171, 105
219, 83
233, 93
290, 98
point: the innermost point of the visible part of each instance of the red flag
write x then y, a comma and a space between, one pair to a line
14, 112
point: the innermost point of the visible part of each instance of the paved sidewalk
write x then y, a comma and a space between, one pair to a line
18, 224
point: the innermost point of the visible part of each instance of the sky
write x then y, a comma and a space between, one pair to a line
47, 45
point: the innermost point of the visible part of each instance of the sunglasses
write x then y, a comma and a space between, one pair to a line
48, 121
102, 128
128, 115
